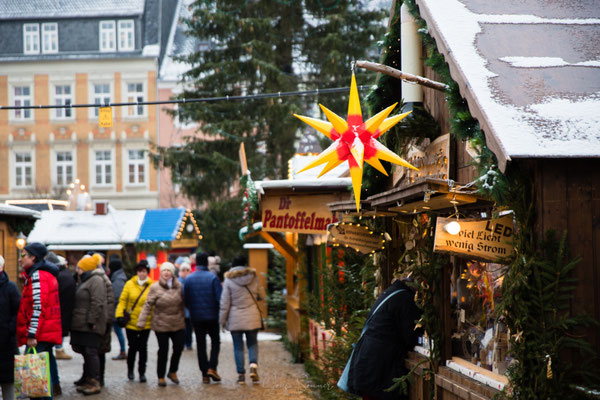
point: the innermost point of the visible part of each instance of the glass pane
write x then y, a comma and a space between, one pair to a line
141, 173
27, 176
108, 174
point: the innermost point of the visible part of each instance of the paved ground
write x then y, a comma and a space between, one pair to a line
280, 379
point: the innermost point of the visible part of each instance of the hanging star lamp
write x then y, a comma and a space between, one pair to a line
355, 141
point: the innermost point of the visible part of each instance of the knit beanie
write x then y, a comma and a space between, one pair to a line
115, 264
52, 257
167, 266
142, 264
61, 261
89, 263
37, 250
185, 267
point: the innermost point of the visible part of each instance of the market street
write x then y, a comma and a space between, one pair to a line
279, 378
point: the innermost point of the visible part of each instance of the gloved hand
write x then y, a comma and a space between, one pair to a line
121, 322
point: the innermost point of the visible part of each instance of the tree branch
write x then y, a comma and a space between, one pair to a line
396, 73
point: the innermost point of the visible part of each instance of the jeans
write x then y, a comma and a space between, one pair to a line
177, 337
8, 391
188, 333
119, 332
202, 328
40, 348
138, 343
91, 362
238, 348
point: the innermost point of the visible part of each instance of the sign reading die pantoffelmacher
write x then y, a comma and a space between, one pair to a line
488, 239
297, 213
357, 236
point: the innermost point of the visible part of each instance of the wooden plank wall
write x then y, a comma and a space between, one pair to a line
8, 250
434, 102
568, 198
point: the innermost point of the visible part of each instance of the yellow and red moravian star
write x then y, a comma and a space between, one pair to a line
355, 141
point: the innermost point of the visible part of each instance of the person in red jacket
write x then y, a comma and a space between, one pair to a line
38, 321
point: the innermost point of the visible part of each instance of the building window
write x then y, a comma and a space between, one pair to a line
63, 96
23, 169
126, 36
64, 168
108, 36
135, 93
31, 39
22, 97
50, 38
136, 166
103, 167
101, 95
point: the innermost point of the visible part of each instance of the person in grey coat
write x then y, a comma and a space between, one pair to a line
118, 280
239, 313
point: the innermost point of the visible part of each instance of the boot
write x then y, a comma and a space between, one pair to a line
213, 375
173, 377
93, 387
56, 390
254, 373
122, 356
162, 382
81, 381
241, 379
60, 354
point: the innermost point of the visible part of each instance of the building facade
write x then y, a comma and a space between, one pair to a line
83, 53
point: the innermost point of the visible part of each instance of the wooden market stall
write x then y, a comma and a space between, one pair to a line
13, 221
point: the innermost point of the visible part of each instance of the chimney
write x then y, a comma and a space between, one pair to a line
101, 207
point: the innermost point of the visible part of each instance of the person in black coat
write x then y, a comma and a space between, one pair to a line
9, 304
379, 355
66, 296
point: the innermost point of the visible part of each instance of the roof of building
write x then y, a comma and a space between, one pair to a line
529, 70
161, 225
19, 9
7, 209
85, 227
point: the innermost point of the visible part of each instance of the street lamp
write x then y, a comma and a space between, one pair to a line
21, 241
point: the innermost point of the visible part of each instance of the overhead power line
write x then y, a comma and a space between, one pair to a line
186, 101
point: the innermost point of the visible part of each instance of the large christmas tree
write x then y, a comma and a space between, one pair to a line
257, 47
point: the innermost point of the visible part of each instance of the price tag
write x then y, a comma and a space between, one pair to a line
105, 118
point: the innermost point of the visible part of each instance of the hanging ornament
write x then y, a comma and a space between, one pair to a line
355, 141
548, 367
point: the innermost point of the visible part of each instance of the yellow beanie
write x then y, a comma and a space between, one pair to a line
89, 263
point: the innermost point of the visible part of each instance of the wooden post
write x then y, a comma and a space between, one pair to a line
396, 73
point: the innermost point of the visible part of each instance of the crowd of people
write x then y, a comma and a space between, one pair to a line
94, 300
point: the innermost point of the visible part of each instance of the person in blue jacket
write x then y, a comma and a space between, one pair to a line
202, 296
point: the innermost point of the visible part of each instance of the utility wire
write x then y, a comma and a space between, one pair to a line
186, 101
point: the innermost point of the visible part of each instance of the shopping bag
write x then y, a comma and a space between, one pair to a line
343, 381
32, 375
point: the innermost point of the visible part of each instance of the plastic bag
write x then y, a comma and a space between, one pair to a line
32, 375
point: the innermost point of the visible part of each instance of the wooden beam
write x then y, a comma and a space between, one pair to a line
280, 244
396, 73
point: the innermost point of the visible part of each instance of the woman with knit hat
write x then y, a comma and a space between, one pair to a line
89, 321
132, 300
165, 304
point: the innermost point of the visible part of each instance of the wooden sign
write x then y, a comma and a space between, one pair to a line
432, 162
488, 239
297, 213
185, 243
105, 118
357, 236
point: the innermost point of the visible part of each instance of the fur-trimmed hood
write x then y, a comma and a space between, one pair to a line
241, 275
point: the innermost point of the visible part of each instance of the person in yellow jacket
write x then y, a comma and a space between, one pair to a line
132, 300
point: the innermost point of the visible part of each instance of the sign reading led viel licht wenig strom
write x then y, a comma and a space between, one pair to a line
488, 239
297, 213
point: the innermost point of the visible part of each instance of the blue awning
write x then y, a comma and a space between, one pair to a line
161, 225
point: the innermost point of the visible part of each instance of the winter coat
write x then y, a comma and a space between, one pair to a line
187, 312
238, 311
89, 313
202, 294
130, 293
41, 292
118, 280
168, 314
379, 356
9, 304
66, 295
110, 313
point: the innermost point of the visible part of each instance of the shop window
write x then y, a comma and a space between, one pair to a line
479, 337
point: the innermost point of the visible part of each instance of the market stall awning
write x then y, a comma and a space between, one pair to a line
85, 247
7, 209
161, 225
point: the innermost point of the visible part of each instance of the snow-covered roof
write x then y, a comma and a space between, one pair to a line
84, 227
529, 70
7, 209
320, 184
20, 9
